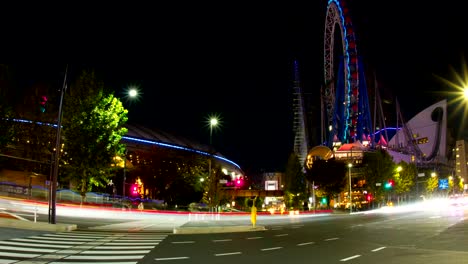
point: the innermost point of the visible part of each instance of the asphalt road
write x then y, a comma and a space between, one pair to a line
406, 237
436, 235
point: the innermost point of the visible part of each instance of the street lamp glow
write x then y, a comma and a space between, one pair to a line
133, 92
213, 121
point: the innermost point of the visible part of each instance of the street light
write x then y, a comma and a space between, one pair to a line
350, 195
55, 162
213, 122
132, 93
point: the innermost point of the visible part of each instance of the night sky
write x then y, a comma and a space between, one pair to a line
236, 62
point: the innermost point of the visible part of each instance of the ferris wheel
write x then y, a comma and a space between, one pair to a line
345, 114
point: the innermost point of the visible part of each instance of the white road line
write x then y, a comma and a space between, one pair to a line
377, 249
183, 242
120, 262
254, 237
11, 243
330, 239
273, 248
62, 239
125, 247
24, 255
352, 257
7, 261
131, 244
174, 258
280, 235
44, 250
435, 216
94, 257
222, 240
70, 236
227, 254
139, 240
306, 243
47, 242
96, 252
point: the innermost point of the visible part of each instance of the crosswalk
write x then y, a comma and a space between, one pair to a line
80, 247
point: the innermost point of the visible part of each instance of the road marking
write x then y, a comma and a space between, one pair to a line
330, 239
254, 237
222, 240
174, 258
273, 248
280, 235
227, 254
435, 216
94, 257
377, 249
306, 243
297, 226
352, 257
182, 242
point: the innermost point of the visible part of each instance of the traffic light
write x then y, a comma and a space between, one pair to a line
389, 184
42, 103
369, 197
324, 200
134, 189
239, 182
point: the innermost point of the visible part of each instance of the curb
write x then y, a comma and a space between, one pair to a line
216, 229
38, 226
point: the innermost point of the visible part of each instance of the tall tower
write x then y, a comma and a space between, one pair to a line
301, 142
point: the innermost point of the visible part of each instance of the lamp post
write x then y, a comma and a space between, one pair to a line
132, 93
350, 194
213, 121
55, 162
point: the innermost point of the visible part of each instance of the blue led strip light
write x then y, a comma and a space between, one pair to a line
147, 142
151, 142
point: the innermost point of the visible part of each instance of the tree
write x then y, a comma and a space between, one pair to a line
378, 168
93, 126
405, 177
295, 181
329, 175
432, 184
6, 125
171, 175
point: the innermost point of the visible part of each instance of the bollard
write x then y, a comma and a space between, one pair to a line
253, 215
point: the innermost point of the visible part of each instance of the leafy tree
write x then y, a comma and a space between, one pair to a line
378, 168
405, 178
431, 184
170, 175
329, 175
6, 125
34, 137
295, 181
93, 126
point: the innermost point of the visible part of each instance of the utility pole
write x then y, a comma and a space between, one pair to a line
53, 184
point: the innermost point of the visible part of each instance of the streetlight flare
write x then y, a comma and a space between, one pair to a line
132, 92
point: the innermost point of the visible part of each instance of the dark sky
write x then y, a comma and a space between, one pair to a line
236, 61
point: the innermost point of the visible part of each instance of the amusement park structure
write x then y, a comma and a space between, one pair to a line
347, 128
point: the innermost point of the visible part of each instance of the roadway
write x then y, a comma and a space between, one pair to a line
434, 234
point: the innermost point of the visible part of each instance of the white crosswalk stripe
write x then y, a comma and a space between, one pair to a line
80, 247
